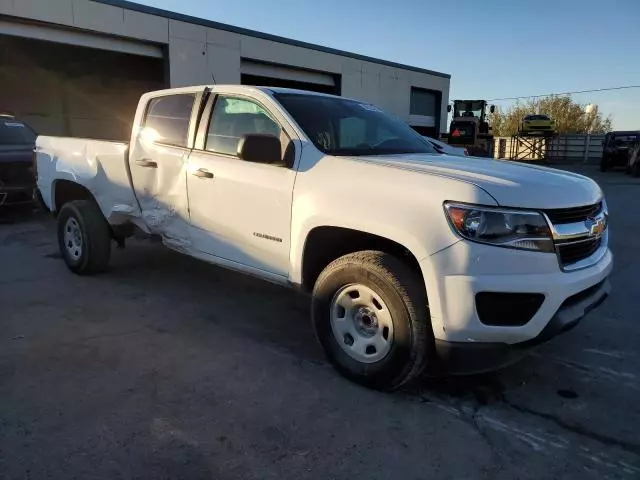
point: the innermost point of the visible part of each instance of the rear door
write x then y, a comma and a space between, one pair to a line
157, 162
241, 211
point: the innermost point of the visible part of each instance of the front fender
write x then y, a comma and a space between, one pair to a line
399, 205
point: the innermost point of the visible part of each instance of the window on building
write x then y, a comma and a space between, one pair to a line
423, 102
232, 119
168, 118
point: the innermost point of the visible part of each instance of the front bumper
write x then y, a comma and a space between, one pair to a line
617, 158
539, 127
13, 195
455, 275
471, 358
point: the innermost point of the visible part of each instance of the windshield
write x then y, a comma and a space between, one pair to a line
338, 126
467, 109
13, 132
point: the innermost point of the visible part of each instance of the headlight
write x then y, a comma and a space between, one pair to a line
525, 230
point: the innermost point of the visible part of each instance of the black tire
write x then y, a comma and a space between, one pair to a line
93, 256
402, 291
604, 165
635, 169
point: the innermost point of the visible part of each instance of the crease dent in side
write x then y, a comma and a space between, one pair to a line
168, 213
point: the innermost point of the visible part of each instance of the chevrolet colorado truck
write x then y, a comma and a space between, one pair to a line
414, 260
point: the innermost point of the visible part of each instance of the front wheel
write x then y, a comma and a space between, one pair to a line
370, 315
604, 165
83, 237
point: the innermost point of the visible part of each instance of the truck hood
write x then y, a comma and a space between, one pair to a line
511, 184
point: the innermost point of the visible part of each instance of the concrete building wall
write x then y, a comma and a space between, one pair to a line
198, 54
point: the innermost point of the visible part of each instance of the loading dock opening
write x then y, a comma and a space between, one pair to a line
71, 90
254, 72
280, 82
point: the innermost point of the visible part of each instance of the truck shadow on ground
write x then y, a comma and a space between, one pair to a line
554, 384
10, 215
273, 315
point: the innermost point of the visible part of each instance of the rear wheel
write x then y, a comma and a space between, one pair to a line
635, 169
84, 237
370, 315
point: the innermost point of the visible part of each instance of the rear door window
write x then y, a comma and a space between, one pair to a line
167, 119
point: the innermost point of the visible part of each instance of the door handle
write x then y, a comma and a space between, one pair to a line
145, 162
202, 173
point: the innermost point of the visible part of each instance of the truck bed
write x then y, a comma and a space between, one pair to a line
101, 166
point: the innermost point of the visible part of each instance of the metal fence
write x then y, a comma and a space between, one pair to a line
559, 149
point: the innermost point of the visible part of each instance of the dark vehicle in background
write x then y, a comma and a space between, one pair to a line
17, 178
615, 149
633, 159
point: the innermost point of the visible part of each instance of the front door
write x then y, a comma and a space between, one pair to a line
158, 160
240, 211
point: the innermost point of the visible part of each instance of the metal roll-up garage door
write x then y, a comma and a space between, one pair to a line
425, 111
73, 83
275, 75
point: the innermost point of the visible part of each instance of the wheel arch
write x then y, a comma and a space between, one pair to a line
325, 243
64, 191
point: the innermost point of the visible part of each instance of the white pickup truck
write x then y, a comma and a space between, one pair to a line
415, 261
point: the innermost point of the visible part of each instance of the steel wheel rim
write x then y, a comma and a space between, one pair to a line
73, 238
361, 323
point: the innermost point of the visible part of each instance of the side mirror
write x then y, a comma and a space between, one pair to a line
492, 108
448, 108
260, 148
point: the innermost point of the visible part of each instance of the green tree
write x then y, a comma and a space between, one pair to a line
569, 116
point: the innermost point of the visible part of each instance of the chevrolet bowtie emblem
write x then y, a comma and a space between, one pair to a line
596, 225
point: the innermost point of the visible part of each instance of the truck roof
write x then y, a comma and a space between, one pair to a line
232, 87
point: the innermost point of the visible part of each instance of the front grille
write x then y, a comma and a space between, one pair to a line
16, 173
559, 216
573, 249
574, 252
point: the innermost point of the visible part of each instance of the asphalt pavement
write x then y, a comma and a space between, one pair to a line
170, 368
